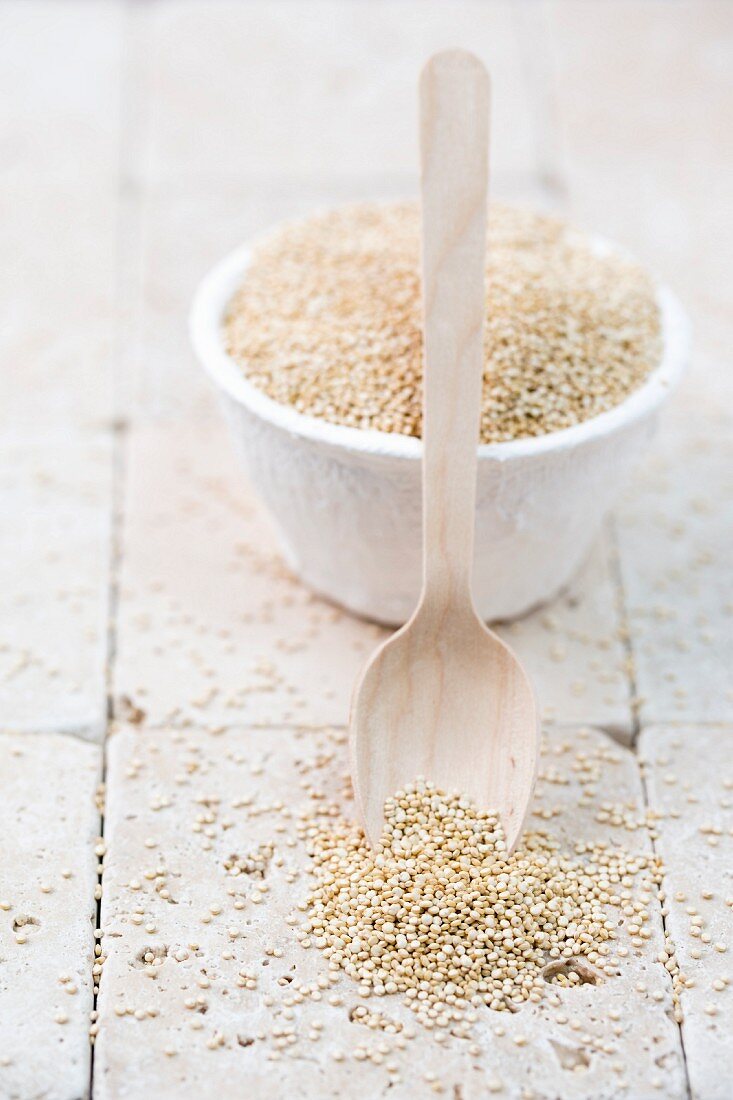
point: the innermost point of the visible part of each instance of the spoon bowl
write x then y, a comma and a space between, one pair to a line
445, 699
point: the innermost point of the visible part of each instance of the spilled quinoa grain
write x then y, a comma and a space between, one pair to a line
443, 915
328, 320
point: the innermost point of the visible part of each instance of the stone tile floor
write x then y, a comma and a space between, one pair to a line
152, 638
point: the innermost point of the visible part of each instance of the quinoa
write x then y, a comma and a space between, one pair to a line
329, 320
443, 915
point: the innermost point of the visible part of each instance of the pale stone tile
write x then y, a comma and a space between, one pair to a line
54, 573
323, 88
644, 98
574, 652
690, 784
57, 285
675, 528
213, 628
675, 532
59, 87
628, 51
59, 156
627, 179
48, 824
60, 127
679, 229
177, 812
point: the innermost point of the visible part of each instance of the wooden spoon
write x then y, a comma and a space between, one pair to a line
444, 698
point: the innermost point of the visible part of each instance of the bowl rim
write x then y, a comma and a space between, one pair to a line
206, 330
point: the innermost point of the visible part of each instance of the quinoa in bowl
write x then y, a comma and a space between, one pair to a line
329, 322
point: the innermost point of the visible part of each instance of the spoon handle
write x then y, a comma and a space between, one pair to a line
454, 137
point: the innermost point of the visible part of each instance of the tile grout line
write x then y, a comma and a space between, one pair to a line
628, 644
115, 562
127, 247
156, 725
622, 613
652, 840
87, 736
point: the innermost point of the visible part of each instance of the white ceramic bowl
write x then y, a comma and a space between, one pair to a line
347, 503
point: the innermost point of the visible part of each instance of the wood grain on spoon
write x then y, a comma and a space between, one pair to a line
444, 698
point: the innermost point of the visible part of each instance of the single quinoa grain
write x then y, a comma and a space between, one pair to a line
328, 320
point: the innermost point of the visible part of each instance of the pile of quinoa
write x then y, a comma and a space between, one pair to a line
443, 915
329, 320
